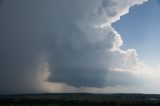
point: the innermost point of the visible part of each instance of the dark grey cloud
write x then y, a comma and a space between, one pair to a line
92, 77
78, 53
22, 42
80, 76
1, 2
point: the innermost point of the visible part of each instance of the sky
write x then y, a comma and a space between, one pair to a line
138, 26
77, 46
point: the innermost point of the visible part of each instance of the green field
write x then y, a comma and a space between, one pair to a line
80, 99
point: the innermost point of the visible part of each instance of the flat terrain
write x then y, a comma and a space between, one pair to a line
80, 99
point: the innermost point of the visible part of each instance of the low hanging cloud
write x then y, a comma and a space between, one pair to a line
66, 46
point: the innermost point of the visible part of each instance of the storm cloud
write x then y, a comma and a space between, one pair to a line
87, 46
21, 45
73, 37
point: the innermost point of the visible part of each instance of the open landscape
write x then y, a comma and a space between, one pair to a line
80, 99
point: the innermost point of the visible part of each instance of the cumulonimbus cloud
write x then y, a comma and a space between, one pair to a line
87, 47
76, 40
